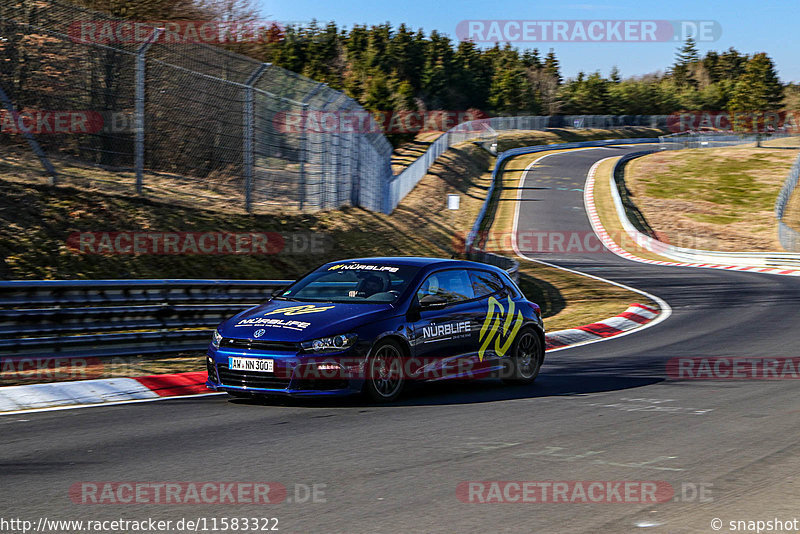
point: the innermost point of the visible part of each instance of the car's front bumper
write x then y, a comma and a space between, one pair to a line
293, 374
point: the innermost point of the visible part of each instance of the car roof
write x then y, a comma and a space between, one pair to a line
419, 262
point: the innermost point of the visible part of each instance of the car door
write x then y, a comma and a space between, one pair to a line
444, 339
499, 318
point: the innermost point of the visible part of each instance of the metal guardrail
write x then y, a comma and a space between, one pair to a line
96, 318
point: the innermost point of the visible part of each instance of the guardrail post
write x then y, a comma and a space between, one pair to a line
247, 133
138, 119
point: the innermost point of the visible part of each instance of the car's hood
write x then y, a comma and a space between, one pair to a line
288, 320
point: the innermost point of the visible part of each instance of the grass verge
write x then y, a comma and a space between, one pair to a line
713, 199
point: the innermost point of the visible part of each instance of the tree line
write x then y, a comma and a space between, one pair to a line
391, 69
399, 69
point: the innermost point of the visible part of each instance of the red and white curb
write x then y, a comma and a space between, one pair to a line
634, 317
104, 391
654, 245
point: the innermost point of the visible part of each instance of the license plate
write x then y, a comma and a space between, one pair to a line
262, 365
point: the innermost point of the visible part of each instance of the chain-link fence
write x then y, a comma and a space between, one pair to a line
184, 121
788, 236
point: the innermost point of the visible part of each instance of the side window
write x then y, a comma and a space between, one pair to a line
485, 283
455, 285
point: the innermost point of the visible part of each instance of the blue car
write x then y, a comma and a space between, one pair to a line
373, 325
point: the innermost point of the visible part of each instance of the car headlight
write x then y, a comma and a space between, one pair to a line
330, 344
216, 339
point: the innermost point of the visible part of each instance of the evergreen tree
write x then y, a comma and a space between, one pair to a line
758, 89
684, 58
551, 66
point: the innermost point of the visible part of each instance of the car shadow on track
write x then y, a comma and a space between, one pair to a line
476, 391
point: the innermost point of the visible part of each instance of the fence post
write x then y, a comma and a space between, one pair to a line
304, 142
247, 133
332, 156
138, 118
48, 167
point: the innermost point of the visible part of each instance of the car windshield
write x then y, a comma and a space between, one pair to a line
353, 282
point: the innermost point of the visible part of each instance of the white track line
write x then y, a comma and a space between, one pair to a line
666, 309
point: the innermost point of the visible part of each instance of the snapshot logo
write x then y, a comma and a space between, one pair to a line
169, 493
739, 368
566, 491
176, 32
727, 121
587, 31
387, 122
197, 243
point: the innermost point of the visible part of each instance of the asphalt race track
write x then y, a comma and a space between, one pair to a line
600, 412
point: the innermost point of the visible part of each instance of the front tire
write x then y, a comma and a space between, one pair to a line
385, 379
526, 358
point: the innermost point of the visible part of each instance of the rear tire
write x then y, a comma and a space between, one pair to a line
385, 378
526, 358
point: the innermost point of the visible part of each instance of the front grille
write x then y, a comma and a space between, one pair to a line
321, 384
230, 377
259, 344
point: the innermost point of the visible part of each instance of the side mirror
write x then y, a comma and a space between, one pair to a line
277, 291
432, 302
